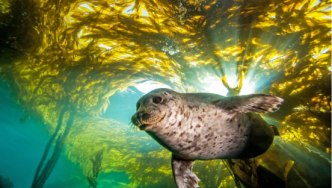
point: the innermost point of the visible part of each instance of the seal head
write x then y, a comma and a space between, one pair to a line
152, 109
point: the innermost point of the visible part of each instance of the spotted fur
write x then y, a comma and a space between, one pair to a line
206, 126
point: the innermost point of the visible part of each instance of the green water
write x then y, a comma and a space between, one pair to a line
71, 73
22, 145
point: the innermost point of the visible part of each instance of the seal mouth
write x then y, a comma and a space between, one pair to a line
144, 126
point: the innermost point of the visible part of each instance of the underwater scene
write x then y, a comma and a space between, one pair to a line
165, 93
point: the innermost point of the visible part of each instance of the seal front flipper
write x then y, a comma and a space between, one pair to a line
259, 103
183, 175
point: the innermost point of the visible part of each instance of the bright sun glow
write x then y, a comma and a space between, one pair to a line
232, 81
148, 86
247, 88
214, 85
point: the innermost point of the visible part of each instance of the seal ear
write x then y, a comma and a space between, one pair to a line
183, 175
260, 103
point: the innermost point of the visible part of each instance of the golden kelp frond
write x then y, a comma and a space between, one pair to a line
213, 174
309, 123
4, 7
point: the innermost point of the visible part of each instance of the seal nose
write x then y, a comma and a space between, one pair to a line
139, 115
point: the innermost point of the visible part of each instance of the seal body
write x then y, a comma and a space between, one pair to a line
203, 136
203, 126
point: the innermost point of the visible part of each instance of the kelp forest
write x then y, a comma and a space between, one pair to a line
63, 60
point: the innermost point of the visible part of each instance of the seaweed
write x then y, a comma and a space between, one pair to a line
5, 183
42, 175
96, 168
87, 50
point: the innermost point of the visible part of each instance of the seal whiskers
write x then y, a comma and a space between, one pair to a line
132, 126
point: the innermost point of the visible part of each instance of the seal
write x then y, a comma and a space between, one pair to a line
204, 126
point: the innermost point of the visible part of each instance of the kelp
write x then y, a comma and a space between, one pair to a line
121, 150
42, 175
96, 168
87, 50
5, 183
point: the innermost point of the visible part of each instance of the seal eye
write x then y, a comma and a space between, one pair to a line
156, 100
137, 106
